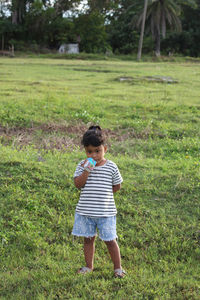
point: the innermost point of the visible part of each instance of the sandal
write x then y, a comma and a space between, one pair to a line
119, 273
84, 270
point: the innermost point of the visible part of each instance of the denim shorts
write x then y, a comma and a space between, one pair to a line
87, 227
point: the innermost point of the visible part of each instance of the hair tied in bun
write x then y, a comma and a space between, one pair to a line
94, 128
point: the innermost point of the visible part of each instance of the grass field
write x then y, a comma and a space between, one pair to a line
153, 134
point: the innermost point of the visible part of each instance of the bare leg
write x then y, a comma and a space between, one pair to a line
89, 249
114, 251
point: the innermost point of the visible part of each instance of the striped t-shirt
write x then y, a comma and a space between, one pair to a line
96, 198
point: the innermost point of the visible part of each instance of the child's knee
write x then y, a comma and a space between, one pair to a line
110, 243
89, 240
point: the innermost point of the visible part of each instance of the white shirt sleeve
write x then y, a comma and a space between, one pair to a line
117, 178
79, 169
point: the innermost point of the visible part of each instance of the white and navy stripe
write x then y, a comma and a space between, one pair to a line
96, 198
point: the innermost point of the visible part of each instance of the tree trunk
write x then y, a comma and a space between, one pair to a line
157, 50
18, 11
142, 30
14, 17
2, 42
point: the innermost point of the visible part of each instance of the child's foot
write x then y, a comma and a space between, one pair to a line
84, 270
119, 273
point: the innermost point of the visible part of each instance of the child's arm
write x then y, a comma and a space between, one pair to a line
81, 180
116, 187
88, 166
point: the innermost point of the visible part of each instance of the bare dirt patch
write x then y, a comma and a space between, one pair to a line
61, 136
158, 79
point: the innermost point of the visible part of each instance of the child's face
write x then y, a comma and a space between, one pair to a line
97, 153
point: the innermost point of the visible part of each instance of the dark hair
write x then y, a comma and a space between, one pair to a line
93, 136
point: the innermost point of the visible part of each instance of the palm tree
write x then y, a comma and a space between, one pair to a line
161, 13
142, 30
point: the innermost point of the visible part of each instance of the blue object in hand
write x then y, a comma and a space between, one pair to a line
89, 164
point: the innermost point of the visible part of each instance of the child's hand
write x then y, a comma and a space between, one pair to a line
89, 164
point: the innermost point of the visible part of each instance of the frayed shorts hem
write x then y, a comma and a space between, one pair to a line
109, 240
81, 235
89, 237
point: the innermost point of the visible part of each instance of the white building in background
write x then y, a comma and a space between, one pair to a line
69, 48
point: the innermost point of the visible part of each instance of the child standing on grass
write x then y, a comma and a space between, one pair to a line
98, 179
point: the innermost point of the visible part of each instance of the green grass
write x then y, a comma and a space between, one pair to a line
153, 136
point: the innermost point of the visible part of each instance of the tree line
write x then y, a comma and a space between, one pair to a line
99, 26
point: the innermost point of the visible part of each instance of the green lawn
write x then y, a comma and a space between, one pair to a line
153, 133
